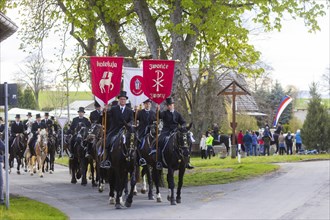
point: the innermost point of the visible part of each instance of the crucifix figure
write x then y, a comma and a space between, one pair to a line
159, 49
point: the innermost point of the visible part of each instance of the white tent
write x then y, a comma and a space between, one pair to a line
23, 112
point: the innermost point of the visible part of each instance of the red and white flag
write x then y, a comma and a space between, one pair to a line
133, 83
158, 78
106, 78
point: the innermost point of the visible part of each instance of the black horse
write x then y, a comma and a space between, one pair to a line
123, 162
75, 162
174, 154
144, 149
50, 160
17, 151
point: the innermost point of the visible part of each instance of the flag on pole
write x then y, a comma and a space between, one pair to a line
283, 104
133, 83
158, 78
106, 78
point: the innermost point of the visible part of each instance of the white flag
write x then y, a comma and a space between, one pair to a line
133, 79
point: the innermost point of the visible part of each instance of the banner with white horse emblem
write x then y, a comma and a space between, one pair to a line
158, 78
133, 83
106, 78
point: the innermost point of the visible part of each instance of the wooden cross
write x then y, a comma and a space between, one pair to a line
231, 89
159, 49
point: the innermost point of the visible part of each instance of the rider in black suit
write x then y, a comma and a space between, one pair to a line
36, 126
96, 115
48, 122
145, 117
16, 128
75, 122
171, 120
117, 117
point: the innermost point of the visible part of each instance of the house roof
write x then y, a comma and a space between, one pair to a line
244, 103
7, 27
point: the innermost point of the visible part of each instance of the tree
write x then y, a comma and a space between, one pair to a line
33, 76
315, 131
20, 96
29, 101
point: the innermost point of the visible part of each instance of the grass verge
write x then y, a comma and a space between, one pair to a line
24, 208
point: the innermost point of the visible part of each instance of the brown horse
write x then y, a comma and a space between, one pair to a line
41, 150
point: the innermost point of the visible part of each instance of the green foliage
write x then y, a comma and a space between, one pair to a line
21, 208
294, 125
20, 94
315, 131
29, 101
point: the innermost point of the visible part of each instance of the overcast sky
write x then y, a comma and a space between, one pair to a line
298, 57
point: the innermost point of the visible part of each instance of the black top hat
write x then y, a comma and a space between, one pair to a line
38, 116
122, 94
18, 116
81, 109
29, 114
96, 104
113, 103
46, 114
169, 101
52, 117
148, 100
1, 119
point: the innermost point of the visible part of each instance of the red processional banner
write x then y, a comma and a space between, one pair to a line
106, 78
158, 78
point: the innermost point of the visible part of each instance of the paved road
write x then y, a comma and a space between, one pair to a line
296, 191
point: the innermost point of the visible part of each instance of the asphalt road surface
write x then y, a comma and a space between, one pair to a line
297, 191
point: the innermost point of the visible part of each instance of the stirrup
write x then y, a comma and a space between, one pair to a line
105, 164
159, 165
142, 162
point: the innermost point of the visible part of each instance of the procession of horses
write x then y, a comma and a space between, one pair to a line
127, 150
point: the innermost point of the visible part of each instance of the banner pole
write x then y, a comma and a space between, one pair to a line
104, 122
157, 116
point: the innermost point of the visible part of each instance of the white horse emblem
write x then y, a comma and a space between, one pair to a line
106, 81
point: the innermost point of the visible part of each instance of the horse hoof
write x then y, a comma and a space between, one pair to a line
173, 202
25, 170
168, 198
50, 172
101, 189
151, 197
127, 204
112, 200
143, 191
31, 174
41, 176
135, 193
118, 206
94, 184
73, 181
159, 199
18, 172
178, 200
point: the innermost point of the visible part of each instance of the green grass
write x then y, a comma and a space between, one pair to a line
221, 171
47, 99
302, 103
62, 161
24, 208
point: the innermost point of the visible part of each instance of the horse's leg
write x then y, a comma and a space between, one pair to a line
129, 199
171, 185
156, 177
182, 169
92, 172
51, 161
112, 181
84, 165
72, 167
149, 178
119, 186
18, 159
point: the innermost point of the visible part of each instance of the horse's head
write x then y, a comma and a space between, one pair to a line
82, 134
79, 126
183, 137
43, 137
94, 133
